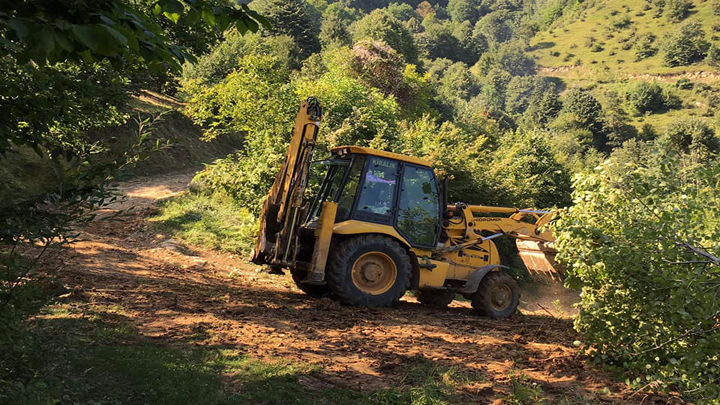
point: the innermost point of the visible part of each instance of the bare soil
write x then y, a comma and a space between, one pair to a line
186, 295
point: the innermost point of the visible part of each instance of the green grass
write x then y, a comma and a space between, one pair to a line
87, 354
569, 36
214, 221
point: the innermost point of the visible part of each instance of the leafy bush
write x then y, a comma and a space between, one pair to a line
377, 65
645, 46
382, 26
685, 46
239, 103
642, 244
527, 172
684, 84
677, 10
645, 97
690, 136
223, 59
713, 56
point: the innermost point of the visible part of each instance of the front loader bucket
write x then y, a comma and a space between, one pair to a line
539, 258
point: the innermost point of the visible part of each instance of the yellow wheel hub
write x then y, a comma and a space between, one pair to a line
374, 273
500, 297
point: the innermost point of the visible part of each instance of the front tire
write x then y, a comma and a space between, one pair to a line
369, 270
497, 296
315, 291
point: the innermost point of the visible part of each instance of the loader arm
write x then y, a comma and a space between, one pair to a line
535, 243
280, 215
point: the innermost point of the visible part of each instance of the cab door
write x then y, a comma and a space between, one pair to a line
418, 206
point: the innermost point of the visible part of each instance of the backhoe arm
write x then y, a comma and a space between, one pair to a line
279, 217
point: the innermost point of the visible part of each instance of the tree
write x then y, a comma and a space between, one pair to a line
68, 30
295, 18
223, 59
691, 136
463, 10
334, 31
494, 28
529, 173
381, 26
402, 11
439, 42
713, 56
543, 108
645, 97
584, 116
642, 245
508, 57
677, 10
685, 46
377, 65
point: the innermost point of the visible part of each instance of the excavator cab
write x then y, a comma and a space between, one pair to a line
381, 188
379, 226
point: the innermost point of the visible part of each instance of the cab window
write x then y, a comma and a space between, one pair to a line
419, 206
377, 194
347, 194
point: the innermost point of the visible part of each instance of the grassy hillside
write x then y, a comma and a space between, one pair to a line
603, 36
596, 46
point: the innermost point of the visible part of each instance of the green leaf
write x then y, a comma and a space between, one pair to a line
19, 27
241, 27
192, 16
86, 36
208, 16
172, 9
120, 38
64, 41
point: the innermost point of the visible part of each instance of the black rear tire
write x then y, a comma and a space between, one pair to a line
315, 291
497, 296
349, 288
435, 298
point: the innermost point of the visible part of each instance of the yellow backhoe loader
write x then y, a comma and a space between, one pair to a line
381, 224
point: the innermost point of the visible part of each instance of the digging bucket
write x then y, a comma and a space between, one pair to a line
539, 258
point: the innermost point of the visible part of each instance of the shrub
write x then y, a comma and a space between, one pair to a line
223, 59
621, 23
635, 242
645, 46
686, 46
382, 26
233, 105
684, 84
377, 65
691, 136
677, 10
645, 97
713, 56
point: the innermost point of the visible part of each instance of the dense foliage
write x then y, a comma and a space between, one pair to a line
643, 243
67, 70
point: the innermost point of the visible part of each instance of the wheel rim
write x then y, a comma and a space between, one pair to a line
374, 273
500, 297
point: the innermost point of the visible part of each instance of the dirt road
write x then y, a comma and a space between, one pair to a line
185, 295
